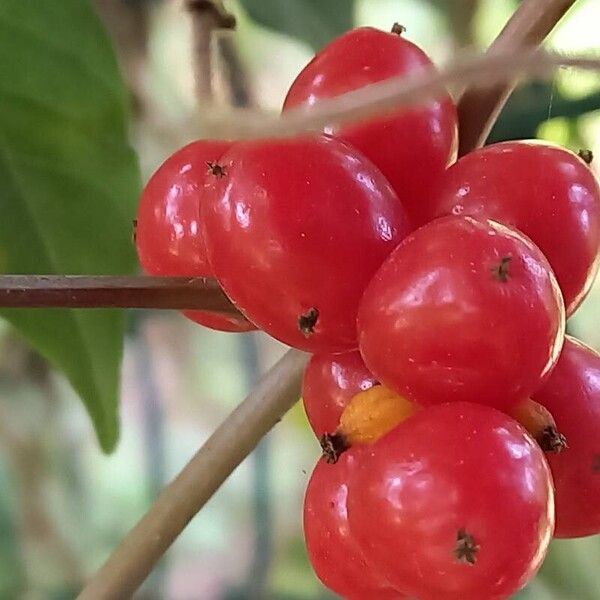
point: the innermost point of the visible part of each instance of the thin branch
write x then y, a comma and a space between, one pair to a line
226, 448
75, 291
480, 106
378, 98
207, 16
237, 89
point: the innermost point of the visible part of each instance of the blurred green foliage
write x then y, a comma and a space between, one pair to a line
533, 104
315, 22
11, 574
68, 184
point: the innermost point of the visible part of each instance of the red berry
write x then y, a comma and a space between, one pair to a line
462, 310
332, 550
330, 382
455, 503
168, 237
411, 146
545, 191
219, 322
295, 229
572, 395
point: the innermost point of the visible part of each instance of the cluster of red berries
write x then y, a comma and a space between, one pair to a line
465, 430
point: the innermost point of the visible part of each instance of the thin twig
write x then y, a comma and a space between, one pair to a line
207, 16
75, 291
228, 63
226, 448
480, 106
378, 98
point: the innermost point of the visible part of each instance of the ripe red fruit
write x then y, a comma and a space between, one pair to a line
295, 229
572, 395
411, 146
462, 310
334, 554
168, 237
454, 503
546, 192
330, 382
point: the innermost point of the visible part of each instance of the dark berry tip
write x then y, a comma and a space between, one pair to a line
333, 445
551, 440
398, 29
307, 321
586, 155
214, 168
466, 549
500, 271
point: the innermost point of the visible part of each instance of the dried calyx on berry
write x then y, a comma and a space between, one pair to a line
216, 169
333, 445
551, 440
538, 421
308, 321
586, 155
500, 271
466, 549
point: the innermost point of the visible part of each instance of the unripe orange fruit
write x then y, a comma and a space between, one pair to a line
367, 417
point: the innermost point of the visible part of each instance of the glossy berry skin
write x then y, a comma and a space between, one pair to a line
295, 229
334, 554
330, 382
454, 503
168, 236
462, 310
572, 395
545, 191
411, 146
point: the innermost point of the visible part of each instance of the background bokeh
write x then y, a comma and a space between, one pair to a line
63, 504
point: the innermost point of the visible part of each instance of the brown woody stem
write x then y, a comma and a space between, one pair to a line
76, 291
480, 106
207, 16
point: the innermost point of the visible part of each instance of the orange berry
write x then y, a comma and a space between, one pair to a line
367, 417
540, 424
372, 413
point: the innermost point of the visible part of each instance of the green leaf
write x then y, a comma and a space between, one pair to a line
69, 184
532, 104
316, 22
